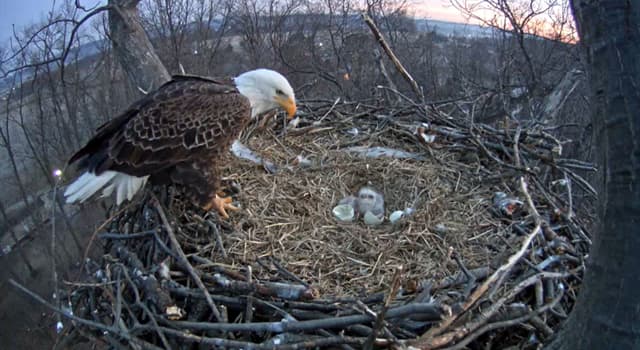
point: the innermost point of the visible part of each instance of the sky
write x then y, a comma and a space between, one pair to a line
22, 13
436, 9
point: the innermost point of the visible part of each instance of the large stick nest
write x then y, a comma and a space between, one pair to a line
283, 272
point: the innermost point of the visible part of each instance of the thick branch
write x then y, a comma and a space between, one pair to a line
133, 48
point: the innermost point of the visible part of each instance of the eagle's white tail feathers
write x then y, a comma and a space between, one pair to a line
126, 186
86, 185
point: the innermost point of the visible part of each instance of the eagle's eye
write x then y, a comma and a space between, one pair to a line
279, 92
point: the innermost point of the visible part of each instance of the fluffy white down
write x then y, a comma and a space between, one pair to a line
125, 186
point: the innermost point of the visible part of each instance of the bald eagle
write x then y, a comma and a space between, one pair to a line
177, 134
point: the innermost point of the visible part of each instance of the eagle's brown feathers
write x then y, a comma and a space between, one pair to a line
177, 134
155, 137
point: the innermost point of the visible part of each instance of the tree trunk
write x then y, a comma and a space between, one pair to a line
133, 48
607, 313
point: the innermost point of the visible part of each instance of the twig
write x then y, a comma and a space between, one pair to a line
542, 327
471, 278
426, 311
480, 291
121, 236
529, 201
392, 56
286, 272
184, 261
235, 344
218, 237
581, 182
537, 219
80, 320
248, 310
474, 328
401, 95
163, 246
501, 324
393, 290
281, 290
383, 70
490, 154
569, 195
516, 149
145, 309
67, 47
459, 278
95, 232
328, 111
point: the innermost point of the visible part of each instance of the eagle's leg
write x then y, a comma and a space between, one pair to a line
221, 205
202, 181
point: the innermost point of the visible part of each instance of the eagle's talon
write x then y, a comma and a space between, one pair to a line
221, 205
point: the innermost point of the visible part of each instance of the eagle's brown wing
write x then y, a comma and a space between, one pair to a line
187, 120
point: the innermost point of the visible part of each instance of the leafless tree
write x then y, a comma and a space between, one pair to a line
523, 59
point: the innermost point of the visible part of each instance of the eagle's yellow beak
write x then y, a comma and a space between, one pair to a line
288, 104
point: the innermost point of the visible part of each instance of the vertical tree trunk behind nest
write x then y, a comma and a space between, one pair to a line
132, 47
607, 313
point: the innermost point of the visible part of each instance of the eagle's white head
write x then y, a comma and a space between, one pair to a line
266, 90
